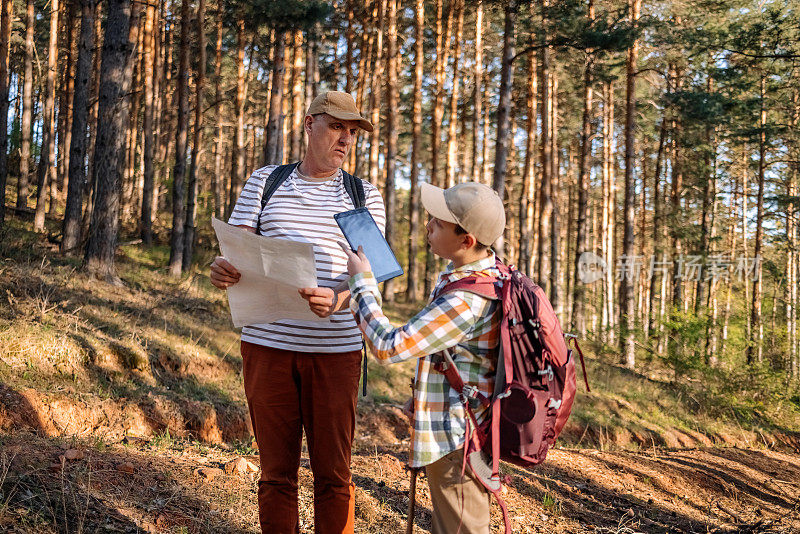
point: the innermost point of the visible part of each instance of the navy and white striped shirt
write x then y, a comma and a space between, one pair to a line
302, 210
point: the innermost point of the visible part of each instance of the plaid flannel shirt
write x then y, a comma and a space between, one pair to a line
466, 324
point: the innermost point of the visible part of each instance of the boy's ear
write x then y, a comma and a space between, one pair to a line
468, 241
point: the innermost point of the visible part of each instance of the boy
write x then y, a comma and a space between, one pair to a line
465, 220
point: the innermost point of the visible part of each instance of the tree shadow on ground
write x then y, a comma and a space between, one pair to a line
113, 490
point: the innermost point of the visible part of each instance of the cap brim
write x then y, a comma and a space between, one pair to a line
433, 201
363, 123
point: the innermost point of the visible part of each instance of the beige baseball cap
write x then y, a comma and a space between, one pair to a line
339, 105
475, 207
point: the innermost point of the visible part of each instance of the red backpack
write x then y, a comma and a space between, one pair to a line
535, 383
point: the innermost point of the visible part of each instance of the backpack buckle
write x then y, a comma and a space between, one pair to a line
555, 404
547, 372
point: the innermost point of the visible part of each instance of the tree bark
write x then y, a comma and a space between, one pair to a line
627, 303
237, 157
296, 132
27, 109
191, 193
273, 147
66, 105
375, 91
181, 134
545, 199
504, 109
76, 185
477, 97
6, 14
217, 180
608, 224
452, 149
527, 199
755, 345
46, 169
391, 134
146, 219
115, 83
416, 149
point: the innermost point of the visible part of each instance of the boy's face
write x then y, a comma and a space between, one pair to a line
443, 238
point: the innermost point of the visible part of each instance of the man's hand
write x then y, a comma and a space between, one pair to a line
223, 274
321, 300
356, 262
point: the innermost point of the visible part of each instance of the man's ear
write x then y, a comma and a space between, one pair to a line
307, 123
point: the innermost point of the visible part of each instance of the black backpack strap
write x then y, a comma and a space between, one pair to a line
355, 189
271, 184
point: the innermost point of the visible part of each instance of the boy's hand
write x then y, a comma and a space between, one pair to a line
356, 262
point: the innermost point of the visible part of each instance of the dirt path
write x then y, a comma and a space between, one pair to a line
174, 486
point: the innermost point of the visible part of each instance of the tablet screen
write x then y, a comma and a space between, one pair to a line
360, 229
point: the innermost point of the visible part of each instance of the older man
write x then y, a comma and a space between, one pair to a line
303, 375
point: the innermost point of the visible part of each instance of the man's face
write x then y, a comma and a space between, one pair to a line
329, 139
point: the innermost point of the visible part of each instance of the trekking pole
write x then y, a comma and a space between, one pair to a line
412, 499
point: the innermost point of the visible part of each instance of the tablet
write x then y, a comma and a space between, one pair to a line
360, 229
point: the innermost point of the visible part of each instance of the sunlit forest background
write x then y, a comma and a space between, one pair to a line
661, 138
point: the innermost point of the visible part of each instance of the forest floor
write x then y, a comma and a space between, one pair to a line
121, 410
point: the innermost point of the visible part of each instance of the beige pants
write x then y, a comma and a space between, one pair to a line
457, 501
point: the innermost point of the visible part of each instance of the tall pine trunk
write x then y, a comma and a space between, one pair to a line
627, 304
416, 149
115, 84
477, 97
146, 218
46, 169
755, 345
6, 13
375, 91
273, 145
181, 134
238, 152
452, 149
191, 190
27, 109
582, 234
391, 134
76, 184
529, 182
504, 109
217, 179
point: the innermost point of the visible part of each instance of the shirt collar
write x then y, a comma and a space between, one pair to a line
479, 265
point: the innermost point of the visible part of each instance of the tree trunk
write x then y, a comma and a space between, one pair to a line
442, 52
6, 13
504, 108
477, 97
657, 223
80, 117
91, 176
529, 185
296, 132
555, 193
273, 147
181, 133
608, 226
146, 219
627, 304
237, 157
389, 194
452, 154
375, 91
191, 193
416, 149
755, 348
46, 169
27, 109
584, 163
115, 83
217, 180
545, 199
65, 107
793, 270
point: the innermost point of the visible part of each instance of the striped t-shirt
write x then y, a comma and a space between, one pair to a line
303, 210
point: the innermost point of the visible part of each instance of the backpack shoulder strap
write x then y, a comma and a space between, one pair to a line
485, 286
355, 189
278, 175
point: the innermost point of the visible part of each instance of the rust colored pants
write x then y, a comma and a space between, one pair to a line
288, 392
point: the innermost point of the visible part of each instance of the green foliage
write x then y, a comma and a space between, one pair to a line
686, 344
